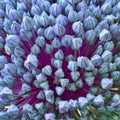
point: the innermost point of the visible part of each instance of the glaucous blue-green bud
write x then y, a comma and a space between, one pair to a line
82, 101
35, 49
49, 33
105, 35
77, 27
116, 97
107, 56
62, 3
21, 6
9, 79
66, 40
55, 9
117, 62
15, 27
49, 116
68, 8
28, 23
96, 60
109, 46
74, 75
27, 107
49, 48
90, 22
57, 63
59, 73
59, 90
41, 95
7, 24
89, 80
56, 42
59, 29
90, 96
37, 21
72, 65
40, 107
49, 94
115, 75
112, 67
45, 5
98, 100
31, 62
79, 83
97, 12
90, 36
41, 77
71, 87
59, 55
99, 50
64, 82
62, 20
47, 70
35, 10
81, 6
26, 35
44, 20
81, 15
44, 85
18, 52
8, 7
106, 8
40, 41
3, 61
106, 83
27, 77
103, 68
63, 106
72, 16
73, 104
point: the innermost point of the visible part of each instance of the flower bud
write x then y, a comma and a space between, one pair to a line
90, 96
114, 29
105, 35
81, 15
49, 94
73, 104
79, 83
103, 68
64, 82
112, 67
40, 107
82, 101
18, 52
15, 27
115, 75
89, 80
47, 70
35, 10
107, 56
59, 73
106, 83
116, 98
44, 85
49, 48
31, 62
98, 100
21, 6
109, 46
56, 42
3, 61
75, 75
81, 6
68, 8
41, 95
90, 36
55, 9
62, 3
72, 16
71, 87
62, 20
35, 49
106, 8
27, 77
99, 50
52, 20
44, 20
45, 5
59, 30
49, 116
63, 106
90, 22
72, 65
97, 12
96, 60
59, 55
40, 41
49, 33
59, 90
57, 63
77, 27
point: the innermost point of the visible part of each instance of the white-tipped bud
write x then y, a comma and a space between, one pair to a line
72, 16
82, 102
106, 83
63, 106
89, 80
96, 60
47, 70
31, 62
59, 73
105, 35
59, 55
90, 36
90, 22
107, 56
55, 9
64, 82
49, 94
77, 27
75, 75
49, 116
76, 43
59, 30
59, 90
72, 65
98, 100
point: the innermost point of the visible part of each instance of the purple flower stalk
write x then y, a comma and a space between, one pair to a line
59, 60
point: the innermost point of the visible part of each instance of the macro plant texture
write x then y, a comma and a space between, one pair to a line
59, 60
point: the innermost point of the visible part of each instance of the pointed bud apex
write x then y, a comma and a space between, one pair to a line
96, 60
64, 82
40, 41
44, 85
41, 95
98, 100
35, 10
15, 27
68, 8
75, 75
41, 77
79, 83
90, 96
72, 65
103, 68
59, 90
72, 16
57, 63
106, 83
45, 5
71, 87
52, 20
106, 8
112, 67
109, 46
35, 49
59, 73
56, 43
73, 104
59, 55
97, 12
49, 48
107, 56
47, 70
82, 102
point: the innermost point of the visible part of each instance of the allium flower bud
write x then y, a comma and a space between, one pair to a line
106, 83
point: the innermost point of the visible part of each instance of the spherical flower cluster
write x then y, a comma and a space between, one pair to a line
59, 59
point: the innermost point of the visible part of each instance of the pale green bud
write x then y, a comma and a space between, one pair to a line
72, 65
59, 73
59, 55
79, 83
75, 75
49, 116
89, 80
47, 70
59, 90
107, 56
